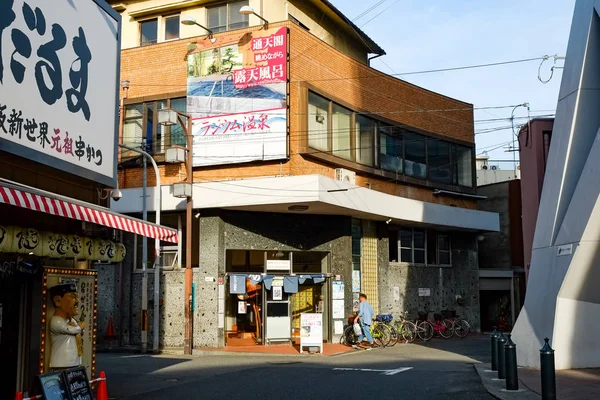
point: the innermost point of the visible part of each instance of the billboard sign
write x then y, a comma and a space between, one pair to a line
59, 71
237, 97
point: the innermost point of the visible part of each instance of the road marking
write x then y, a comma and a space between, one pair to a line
387, 372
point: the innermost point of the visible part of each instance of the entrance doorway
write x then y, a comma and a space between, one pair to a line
268, 291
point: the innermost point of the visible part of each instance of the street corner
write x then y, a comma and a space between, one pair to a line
497, 387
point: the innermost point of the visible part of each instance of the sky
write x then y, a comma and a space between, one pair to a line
422, 35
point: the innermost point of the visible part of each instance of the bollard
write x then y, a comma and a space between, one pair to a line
548, 375
494, 343
510, 354
501, 357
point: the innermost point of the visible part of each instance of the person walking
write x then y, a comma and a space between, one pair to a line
365, 316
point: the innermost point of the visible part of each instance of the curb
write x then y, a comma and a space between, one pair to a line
496, 388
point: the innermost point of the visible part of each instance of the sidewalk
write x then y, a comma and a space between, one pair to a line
577, 384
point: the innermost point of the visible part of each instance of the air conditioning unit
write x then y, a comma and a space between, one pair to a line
494, 167
345, 175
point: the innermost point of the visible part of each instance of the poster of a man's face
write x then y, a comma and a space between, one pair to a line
65, 300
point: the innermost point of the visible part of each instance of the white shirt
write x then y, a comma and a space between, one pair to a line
64, 345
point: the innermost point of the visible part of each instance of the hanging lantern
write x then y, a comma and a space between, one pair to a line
87, 252
54, 245
103, 250
111, 251
7, 235
74, 246
25, 241
121, 252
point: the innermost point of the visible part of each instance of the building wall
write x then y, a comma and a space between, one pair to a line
322, 24
533, 153
159, 71
445, 283
502, 249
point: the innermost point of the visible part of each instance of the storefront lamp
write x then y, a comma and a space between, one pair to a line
175, 155
182, 190
167, 117
247, 10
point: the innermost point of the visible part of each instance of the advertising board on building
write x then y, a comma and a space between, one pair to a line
237, 96
59, 72
311, 330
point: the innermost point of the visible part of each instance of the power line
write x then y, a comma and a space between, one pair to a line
378, 14
368, 10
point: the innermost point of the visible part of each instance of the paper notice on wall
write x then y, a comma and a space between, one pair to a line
338, 309
221, 320
355, 301
338, 290
277, 293
242, 307
338, 327
424, 292
396, 293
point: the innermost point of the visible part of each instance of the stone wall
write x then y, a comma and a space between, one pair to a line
445, 283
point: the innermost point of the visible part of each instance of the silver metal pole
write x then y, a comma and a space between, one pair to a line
157, 253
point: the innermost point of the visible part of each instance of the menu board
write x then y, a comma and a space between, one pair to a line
311, 329
53, 386
77, 384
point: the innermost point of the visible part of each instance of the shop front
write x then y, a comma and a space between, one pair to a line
268, 291
63, 240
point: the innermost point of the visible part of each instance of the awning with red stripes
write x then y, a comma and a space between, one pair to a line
54, 204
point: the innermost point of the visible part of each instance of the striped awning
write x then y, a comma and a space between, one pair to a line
54, 204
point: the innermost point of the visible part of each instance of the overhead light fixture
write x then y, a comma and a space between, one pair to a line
279, 254
192, 21
298, 207
247, 10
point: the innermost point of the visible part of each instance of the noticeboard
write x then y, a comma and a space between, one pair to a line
311, 330
77, 384
53, 386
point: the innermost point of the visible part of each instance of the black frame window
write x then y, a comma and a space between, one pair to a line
352, 136
149, 32
422, 247
172, 27
227, 17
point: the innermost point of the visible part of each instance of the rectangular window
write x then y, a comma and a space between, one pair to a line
463, 160
390, 148
414, 155
172, 27
227, 17
318, 122
356, 244
340, 126
148, 32
133, 127
365, 140
438, 161
177, 133
443, 250
412, 246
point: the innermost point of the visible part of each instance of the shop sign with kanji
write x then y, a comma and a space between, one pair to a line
59, 84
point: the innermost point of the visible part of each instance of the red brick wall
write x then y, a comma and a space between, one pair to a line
160, 70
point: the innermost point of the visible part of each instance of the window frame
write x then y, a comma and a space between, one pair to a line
426, 236
167, 17
141, 31
161, 136
377, 168
228, 22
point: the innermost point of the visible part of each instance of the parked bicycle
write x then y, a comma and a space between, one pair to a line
440, 326
460, 327
382, 334
405, 328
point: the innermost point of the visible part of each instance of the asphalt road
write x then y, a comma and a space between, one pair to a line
440, 369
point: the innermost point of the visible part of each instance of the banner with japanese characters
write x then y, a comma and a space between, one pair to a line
59, 75
237, 96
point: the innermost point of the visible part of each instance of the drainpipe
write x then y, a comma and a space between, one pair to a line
125, 86
374, 57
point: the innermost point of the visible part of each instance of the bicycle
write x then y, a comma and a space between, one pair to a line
405, 328
386, 321
380, 332
440, 326
460, 327
424, 327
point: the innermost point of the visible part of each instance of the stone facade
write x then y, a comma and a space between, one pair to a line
445, 283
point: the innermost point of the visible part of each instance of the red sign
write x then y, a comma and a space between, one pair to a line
270, 57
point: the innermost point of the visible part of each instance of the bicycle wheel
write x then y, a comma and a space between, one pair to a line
349, 338
381, 335
462, 328
395, 335
425, 330
450, 324
409, 331
445, 330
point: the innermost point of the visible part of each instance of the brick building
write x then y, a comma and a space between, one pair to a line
367, 183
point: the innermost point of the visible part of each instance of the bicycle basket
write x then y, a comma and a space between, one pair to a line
384, 318
449, 314
422, 316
